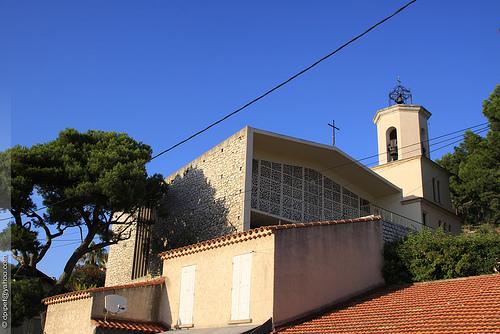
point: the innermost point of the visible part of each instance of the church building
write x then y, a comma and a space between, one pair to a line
257, 178
266, 233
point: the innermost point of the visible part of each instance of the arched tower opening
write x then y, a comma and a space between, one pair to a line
392, 144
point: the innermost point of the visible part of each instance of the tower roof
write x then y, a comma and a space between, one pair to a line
401, 108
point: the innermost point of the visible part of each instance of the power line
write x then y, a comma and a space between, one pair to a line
352, 40
71, 242
478, 131
439, 148
335, 166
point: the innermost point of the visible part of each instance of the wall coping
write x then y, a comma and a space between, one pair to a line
254, 234
83, 294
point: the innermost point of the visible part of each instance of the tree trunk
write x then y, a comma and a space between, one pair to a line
68, 269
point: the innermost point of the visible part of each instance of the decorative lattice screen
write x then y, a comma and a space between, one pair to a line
302, 194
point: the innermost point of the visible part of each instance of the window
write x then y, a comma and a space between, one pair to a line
434, 189
142, 243
425, 142
240, 294
312, 195
187, 295
332, 199
424, 218
350, 204
392, 144
302, 194
438, 191
439, 223
364, 207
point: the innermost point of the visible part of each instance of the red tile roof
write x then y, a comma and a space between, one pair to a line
464, 305
135, 326
254, 234
82, 294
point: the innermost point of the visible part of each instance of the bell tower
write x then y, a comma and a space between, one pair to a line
402, 130
403, 147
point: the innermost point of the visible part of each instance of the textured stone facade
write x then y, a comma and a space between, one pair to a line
129, 260
205, 199
207, 196
392, 232
119, 264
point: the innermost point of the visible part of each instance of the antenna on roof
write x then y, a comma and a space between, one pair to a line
333, 131
115, 304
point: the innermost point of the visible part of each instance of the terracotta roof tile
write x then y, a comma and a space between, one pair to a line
465, 305
82, 294
254, 234
135, 326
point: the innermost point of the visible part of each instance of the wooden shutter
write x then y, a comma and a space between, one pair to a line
240, 298
187, 295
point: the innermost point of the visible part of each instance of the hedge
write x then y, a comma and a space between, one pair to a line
431, 255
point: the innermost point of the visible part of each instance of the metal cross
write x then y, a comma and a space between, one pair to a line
333, 131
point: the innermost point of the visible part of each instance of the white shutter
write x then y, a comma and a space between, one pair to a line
240, 306
235, 293
187, 295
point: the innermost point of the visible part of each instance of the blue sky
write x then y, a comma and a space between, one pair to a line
160, 70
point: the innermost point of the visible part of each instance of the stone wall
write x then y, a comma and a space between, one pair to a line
206, 197
392, 232
120, 260
204, 200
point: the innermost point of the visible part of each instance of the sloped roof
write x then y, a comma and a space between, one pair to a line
464, 305
134, 326
254, 234
82, 294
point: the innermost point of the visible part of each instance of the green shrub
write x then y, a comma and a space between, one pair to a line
429, 255
26, 299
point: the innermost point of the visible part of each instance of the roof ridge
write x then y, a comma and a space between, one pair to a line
107, 319
255, 233
87, 293
454, 279
130, 325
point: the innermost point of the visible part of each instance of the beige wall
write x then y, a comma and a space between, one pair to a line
414, 176
432, 170
69, 317
213, 281
142, 303
406, 174
318, 266
411, 210
436, 214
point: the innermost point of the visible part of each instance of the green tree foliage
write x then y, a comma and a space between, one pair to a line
90, 272
89, 181
26, 299
96, 258
430, 255
475, 170
85, 277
